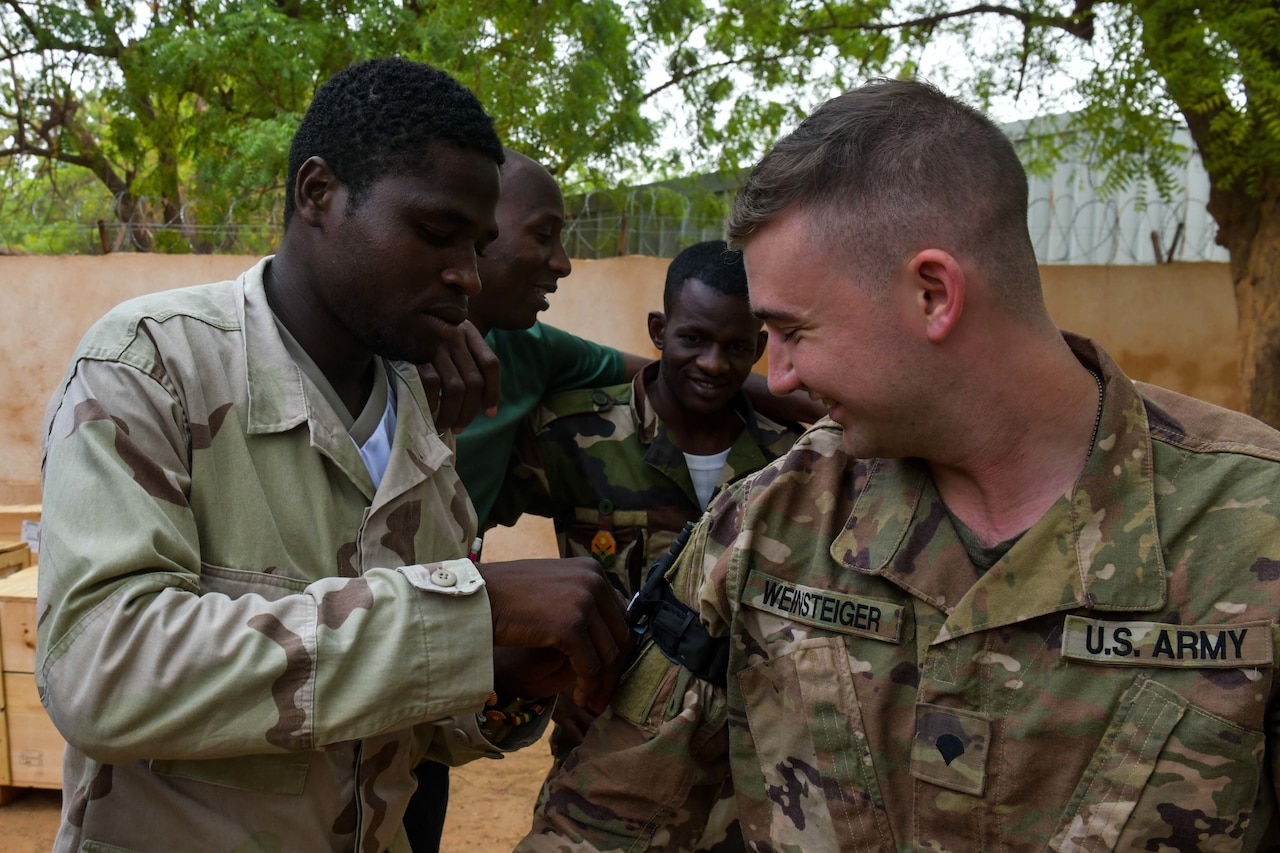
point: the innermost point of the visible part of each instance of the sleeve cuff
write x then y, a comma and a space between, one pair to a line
448, 577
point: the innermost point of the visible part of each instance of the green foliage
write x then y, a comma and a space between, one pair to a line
192, 104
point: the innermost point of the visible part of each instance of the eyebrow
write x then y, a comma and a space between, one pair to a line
456, 217
766, 315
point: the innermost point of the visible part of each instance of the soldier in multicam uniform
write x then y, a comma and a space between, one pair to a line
1006, 599
256, 607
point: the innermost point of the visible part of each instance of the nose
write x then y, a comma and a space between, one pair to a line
559, 261
464, 275
782, 373
713, 361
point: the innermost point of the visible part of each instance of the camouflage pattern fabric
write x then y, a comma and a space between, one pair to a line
1108, 685
600, 460
241, 640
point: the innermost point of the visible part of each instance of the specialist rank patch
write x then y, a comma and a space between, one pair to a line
822, 608
1245, 644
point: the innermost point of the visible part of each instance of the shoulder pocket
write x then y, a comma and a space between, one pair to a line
805, 725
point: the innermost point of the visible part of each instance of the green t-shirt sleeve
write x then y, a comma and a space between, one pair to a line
576, 362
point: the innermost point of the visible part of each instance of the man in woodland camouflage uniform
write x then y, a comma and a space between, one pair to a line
615, 467
256, 608
1006, 599
622, 469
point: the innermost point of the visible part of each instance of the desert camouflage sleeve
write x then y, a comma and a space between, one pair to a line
135, 663
654, 765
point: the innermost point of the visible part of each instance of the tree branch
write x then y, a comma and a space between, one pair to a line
46, 40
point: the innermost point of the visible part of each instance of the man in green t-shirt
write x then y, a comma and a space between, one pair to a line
517, 272
531, 361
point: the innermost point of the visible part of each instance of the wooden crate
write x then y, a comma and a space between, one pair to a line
13, 556
11, 518
35, 747
32, 755
18, 621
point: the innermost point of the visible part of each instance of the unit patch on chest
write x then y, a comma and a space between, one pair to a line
1245, 644
823, 608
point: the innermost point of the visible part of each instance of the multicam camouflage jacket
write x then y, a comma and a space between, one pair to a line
1109, 684
242, 641
601, 464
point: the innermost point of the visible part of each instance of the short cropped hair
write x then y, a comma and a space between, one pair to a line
380, 116
891, 168
711, 262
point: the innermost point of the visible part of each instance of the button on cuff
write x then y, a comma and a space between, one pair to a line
448, 577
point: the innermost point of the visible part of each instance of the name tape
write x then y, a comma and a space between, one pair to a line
1244, 644
822, 608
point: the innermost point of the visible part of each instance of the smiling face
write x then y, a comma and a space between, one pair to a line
524, 264
709, 341
844, 341
399, 266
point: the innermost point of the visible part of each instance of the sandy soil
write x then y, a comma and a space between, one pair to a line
489, 807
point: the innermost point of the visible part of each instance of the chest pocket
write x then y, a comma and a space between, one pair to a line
614, 539
1167, 776
813, 684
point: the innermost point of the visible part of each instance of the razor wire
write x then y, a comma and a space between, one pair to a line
1067, 227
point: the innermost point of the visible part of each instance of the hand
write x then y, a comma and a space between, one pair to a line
530, 673
463, 377
572, 720
568, 606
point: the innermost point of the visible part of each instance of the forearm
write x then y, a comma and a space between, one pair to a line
147, 650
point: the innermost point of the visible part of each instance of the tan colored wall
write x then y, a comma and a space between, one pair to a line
1173, 325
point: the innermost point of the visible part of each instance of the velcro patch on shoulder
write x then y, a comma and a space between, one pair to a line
827, 609
1243, 644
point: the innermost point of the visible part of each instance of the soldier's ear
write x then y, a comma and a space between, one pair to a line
657, 328
762, 340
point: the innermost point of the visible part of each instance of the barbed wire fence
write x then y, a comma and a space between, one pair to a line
1066, 227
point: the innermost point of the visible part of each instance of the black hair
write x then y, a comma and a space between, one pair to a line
381, 116
711, 262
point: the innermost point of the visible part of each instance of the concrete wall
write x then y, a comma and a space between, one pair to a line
1173, 325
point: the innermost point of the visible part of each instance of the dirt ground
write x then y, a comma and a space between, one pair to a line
490, 804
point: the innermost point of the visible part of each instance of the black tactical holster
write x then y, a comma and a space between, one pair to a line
674, 626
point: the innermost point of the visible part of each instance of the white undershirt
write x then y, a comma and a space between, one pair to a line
376, 451
705, 473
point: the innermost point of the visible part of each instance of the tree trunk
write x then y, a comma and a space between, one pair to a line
1249, 228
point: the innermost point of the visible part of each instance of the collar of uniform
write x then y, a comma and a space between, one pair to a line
277, 393
277, 399
415, 428
645, 417
1106, 528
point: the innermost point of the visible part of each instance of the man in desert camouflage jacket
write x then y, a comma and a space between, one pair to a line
256, 607
1005, 599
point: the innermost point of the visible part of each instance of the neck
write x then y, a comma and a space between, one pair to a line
343, 361
1031, 439
701, 435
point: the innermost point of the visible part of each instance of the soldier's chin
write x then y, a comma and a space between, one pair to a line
420, 351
